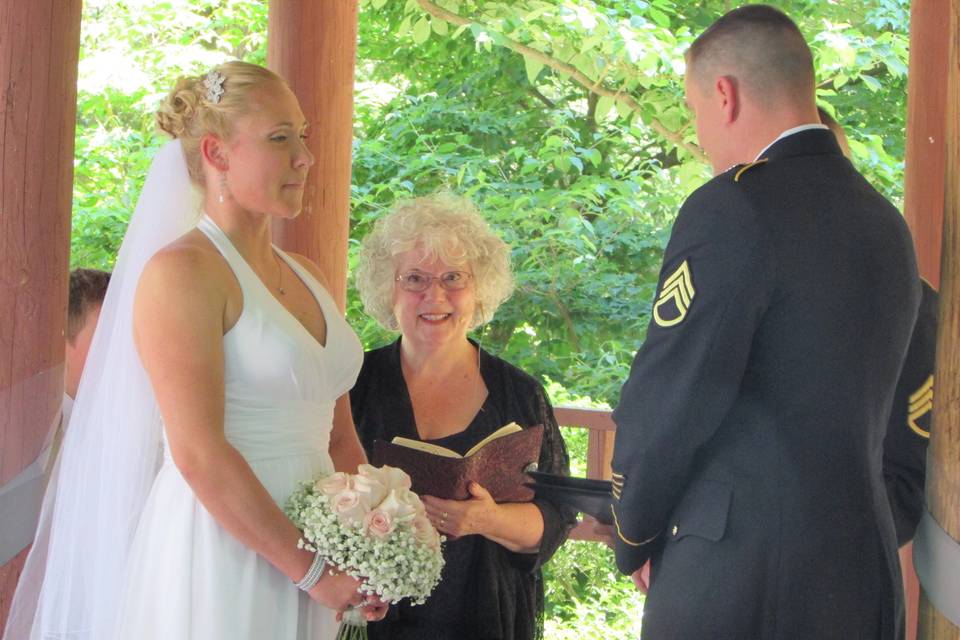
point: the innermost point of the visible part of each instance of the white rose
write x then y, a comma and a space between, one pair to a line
379, 523
369, 484
411, 499
394, 478
348, 505
425, 533
398, 508
334, 484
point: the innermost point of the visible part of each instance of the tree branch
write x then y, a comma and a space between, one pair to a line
569, 70
532, 90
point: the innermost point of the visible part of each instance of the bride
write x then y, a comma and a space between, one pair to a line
215, 386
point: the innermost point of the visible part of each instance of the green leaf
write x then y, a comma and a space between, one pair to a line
421, 30
533, 68
440, 27
604, 104
593, 156
659, 17
872, 83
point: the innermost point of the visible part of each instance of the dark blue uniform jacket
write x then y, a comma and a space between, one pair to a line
905, 449
749, 443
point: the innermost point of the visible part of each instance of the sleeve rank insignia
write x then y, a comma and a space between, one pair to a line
921, 403
617, 485
675, 297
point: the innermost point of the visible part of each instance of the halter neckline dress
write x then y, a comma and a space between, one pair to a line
188, 578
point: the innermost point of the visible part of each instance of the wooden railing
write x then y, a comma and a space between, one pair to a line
599, 452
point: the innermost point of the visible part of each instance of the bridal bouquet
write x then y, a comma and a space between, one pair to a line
373, 527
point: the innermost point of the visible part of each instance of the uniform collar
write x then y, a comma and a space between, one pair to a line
790, 132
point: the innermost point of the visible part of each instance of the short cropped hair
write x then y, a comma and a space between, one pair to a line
88, 288
761, 47
442, 226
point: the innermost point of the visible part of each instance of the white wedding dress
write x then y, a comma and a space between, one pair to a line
188, 578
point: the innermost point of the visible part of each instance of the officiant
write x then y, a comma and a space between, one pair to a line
433, 270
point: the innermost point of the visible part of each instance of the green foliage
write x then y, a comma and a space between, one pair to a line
586, 597
564, 120
116, 137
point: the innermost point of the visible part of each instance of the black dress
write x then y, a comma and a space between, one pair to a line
485, 591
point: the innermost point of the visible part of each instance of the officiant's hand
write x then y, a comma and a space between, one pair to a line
337, 591
455, 518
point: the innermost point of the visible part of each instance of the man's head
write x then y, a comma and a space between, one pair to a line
837, 130
88, 287
749, 78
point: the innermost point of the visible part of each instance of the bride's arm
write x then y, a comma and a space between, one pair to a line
345, 446
178, 326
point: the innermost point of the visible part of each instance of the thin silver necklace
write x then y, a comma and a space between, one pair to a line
280, 288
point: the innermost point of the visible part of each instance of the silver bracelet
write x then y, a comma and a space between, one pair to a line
314, 573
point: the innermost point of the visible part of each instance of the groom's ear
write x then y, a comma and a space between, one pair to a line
214, 153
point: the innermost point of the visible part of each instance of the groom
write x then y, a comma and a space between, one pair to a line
747, 463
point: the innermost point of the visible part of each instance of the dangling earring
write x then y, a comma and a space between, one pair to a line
223, 186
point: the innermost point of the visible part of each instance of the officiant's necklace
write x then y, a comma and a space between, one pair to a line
280, 288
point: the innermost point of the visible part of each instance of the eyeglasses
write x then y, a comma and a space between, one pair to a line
418, 281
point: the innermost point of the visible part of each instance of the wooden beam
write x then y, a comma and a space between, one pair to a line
39, 49
923, 182
926, 140
943, 469
313, 46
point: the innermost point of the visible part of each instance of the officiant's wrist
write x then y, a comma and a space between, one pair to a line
313, 574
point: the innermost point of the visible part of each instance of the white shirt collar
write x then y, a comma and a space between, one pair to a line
790, 132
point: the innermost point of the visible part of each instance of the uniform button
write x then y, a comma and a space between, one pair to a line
675, 529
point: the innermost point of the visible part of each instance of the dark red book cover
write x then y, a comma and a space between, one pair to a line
499, 466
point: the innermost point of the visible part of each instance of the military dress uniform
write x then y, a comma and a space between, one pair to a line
749, 442
908, 433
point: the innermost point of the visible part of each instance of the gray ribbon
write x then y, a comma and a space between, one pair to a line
936, 557
22, 496
20, 501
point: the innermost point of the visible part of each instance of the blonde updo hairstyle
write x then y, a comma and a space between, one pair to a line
442, 226
186, 113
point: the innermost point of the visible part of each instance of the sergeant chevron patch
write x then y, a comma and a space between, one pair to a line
675, 297
921, 403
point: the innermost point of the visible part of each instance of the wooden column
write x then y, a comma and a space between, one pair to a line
39, 49
943, 469
926, 141
923, 181
313, 46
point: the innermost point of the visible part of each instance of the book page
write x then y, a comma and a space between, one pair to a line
505, 430
426, 447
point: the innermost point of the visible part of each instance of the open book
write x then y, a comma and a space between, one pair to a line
498, 463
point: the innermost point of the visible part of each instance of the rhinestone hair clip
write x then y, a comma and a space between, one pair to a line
214, 84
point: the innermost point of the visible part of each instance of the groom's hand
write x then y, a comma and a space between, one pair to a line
641, 578
374, 608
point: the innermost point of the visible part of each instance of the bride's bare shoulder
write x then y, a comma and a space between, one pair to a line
191, 266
